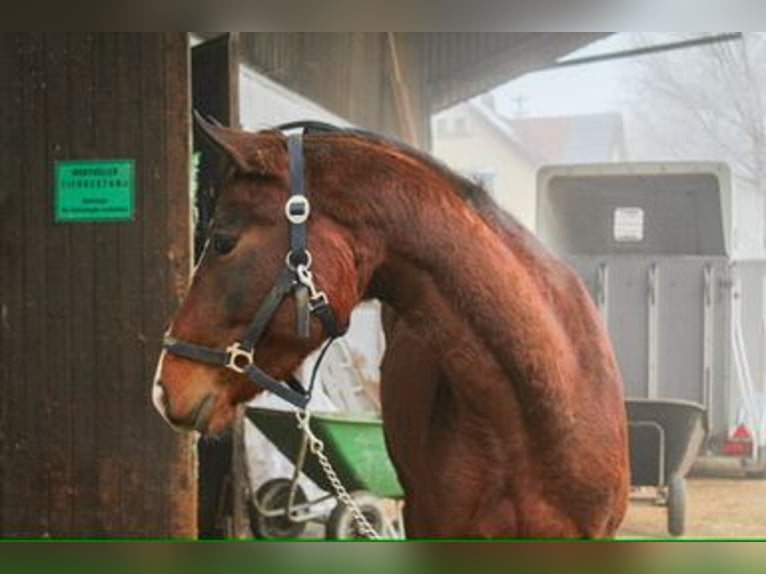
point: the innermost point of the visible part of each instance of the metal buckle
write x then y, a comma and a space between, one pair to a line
302, 207
235, 353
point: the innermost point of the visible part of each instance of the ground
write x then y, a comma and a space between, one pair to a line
721, 503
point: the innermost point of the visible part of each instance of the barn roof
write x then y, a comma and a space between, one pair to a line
461, 65
393, 82
455, 65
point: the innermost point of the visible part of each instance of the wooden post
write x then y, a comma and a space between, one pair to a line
83, 305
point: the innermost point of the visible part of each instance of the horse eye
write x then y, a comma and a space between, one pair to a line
223, 244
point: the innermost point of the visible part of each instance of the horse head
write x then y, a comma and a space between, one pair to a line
247, 254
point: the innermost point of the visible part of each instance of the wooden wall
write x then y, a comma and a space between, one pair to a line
82, 306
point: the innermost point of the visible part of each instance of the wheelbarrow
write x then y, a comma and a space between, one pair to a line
356, 448
665, 437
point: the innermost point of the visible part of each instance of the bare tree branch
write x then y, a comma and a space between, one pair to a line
711, 101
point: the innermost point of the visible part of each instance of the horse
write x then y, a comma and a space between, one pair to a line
501, 398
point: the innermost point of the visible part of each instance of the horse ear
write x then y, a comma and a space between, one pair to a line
225, 140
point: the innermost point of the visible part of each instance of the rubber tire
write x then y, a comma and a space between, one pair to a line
677, 506
341, 524
272, 495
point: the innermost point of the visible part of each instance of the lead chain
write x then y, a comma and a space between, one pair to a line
316, 446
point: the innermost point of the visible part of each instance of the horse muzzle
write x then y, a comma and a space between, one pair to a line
195, 419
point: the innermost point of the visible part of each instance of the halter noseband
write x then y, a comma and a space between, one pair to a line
295, 278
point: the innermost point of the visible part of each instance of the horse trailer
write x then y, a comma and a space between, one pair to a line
674, 258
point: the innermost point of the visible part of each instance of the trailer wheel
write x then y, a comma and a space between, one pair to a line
341, 524
274, 495
677, 506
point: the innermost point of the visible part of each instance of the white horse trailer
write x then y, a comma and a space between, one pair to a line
674, 259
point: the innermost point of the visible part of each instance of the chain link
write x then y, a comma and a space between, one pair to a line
316, 446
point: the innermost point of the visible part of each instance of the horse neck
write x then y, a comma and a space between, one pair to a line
451, 263
475, 296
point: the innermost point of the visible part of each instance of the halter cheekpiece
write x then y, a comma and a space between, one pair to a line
295, 278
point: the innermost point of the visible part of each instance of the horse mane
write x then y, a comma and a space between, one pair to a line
474, 194
469, 190
471, 193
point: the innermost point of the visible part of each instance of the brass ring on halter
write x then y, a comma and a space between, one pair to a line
236, 353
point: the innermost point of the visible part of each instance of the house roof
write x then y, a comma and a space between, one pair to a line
571, 139
560, 139
500, 125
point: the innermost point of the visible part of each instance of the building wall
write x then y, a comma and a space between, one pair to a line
266, 103
82, 306
469, 145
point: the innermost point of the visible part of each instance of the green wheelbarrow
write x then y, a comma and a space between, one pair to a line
356, 448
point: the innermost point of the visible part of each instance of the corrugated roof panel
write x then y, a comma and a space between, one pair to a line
458, 65
461, 65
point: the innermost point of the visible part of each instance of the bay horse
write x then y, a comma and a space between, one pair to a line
502, 402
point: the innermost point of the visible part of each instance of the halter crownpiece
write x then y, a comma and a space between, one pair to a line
296, 278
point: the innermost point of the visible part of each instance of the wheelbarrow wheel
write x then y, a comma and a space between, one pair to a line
274, 495
677, 506
341, 524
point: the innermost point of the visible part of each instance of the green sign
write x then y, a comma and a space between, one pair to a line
95, 190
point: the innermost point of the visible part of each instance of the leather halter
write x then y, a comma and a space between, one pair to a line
295, 278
